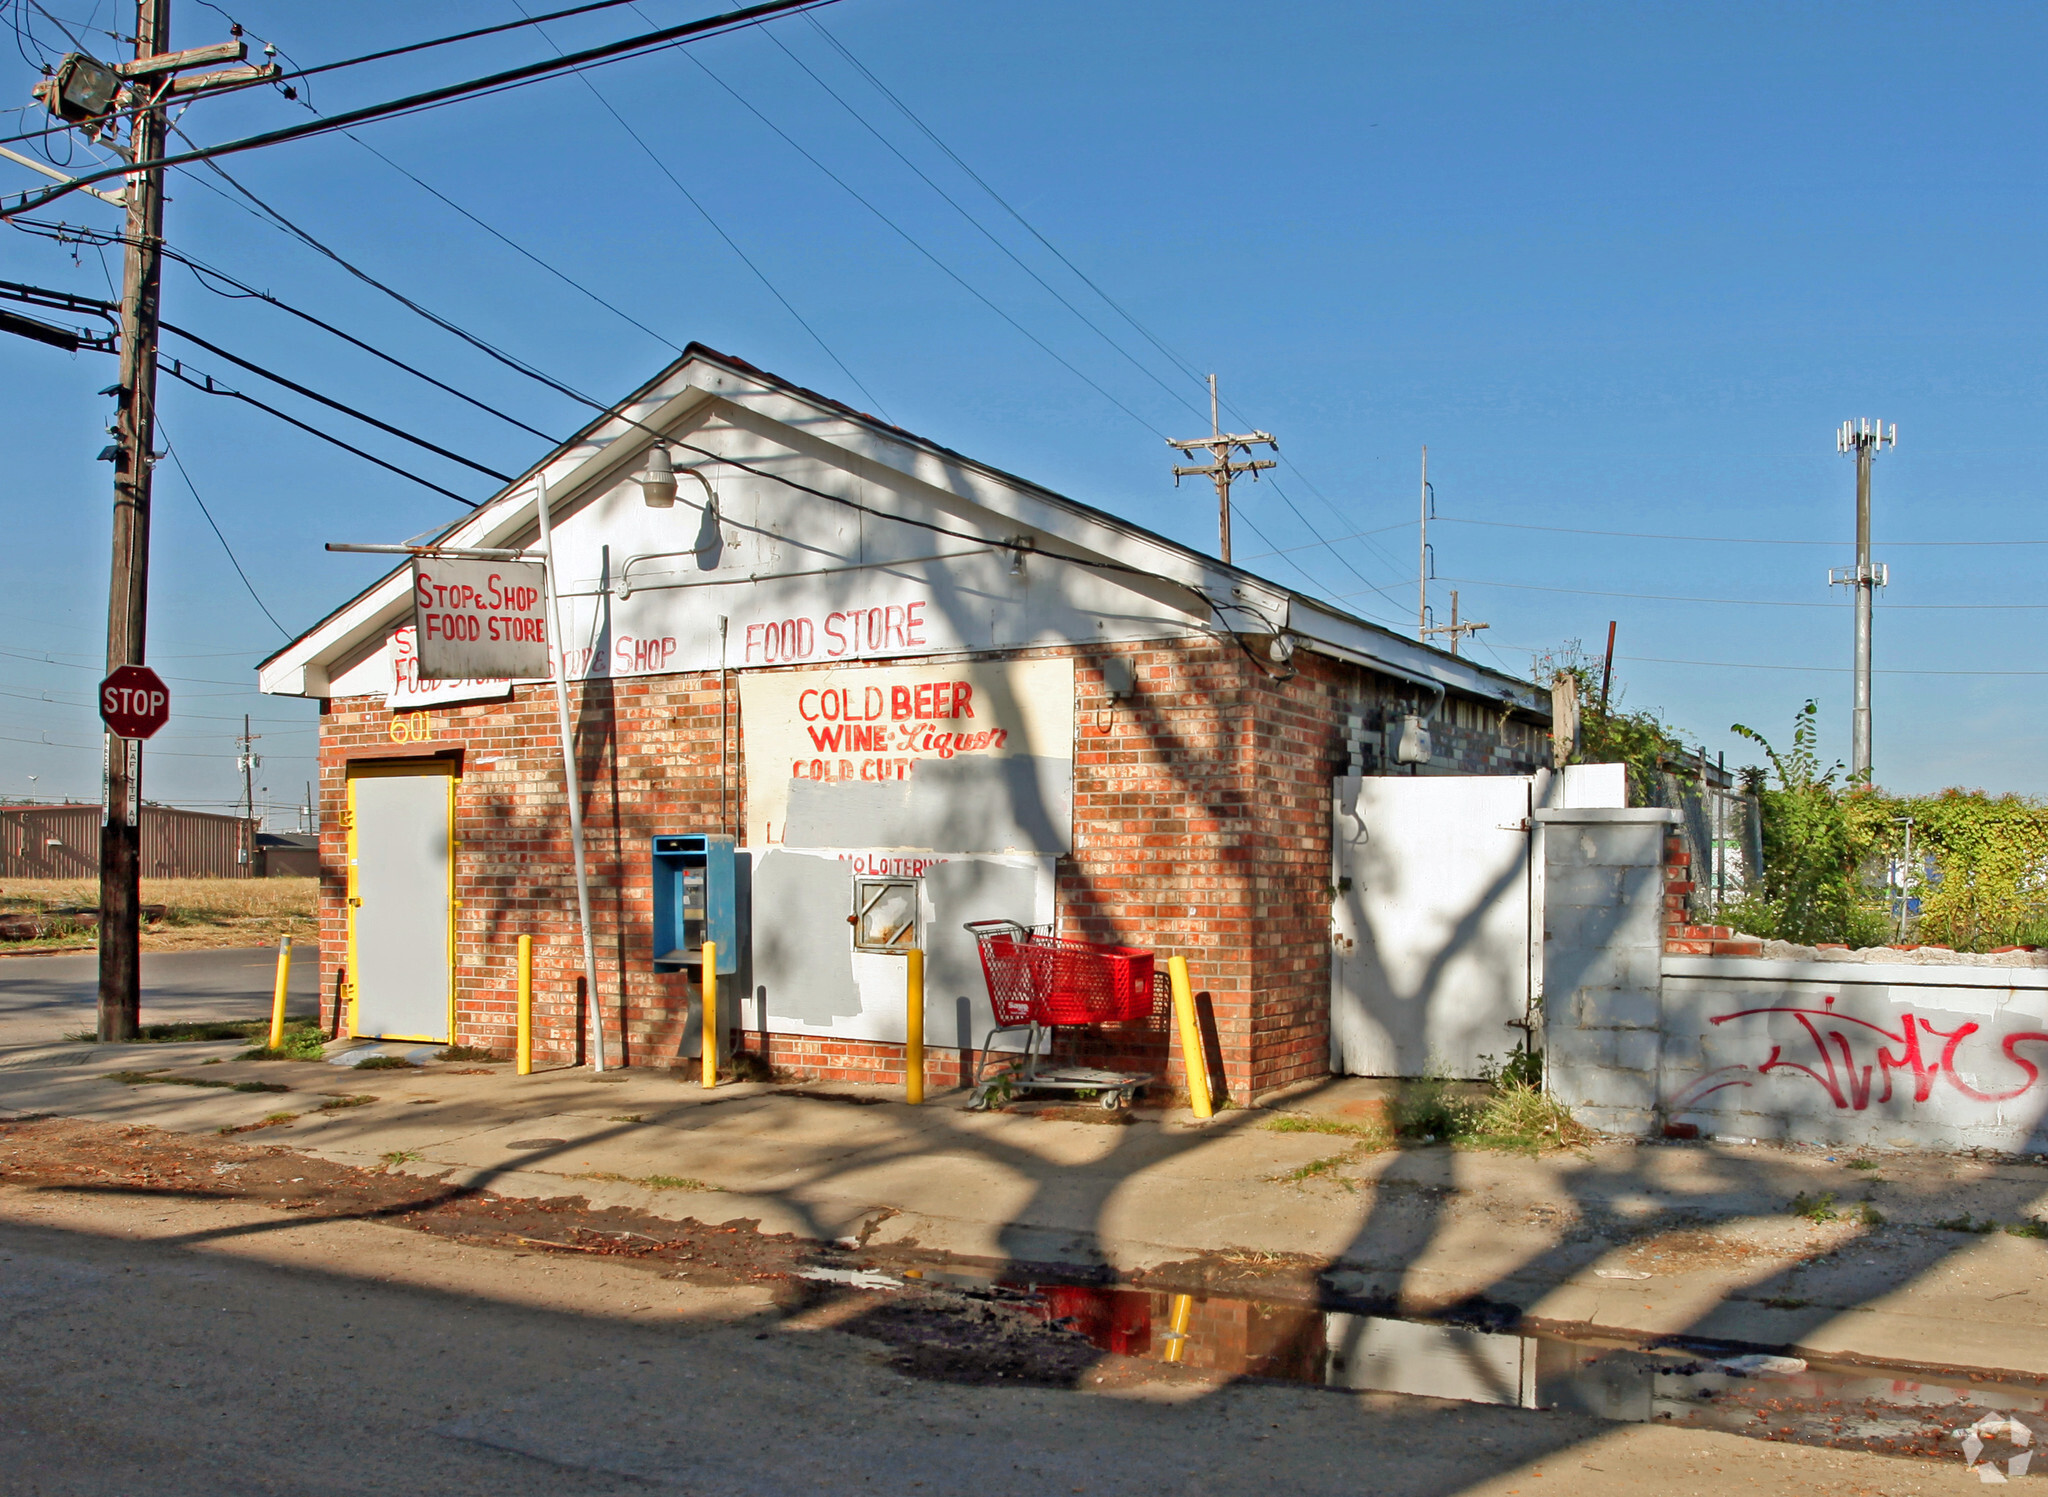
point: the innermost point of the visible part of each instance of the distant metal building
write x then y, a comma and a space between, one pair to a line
64, 842
288, 854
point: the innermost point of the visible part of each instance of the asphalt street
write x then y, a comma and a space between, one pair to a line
44, 998
153, 1342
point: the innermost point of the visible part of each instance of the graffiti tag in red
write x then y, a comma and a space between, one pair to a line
1850, 1085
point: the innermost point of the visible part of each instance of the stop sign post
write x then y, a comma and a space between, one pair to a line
134, 702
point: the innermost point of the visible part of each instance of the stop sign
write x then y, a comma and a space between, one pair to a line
134, 702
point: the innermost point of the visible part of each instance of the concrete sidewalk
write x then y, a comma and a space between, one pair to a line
1626, 1238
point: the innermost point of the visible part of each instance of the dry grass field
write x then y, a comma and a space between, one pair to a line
198, 912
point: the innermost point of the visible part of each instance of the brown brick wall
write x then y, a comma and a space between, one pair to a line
1201, 809
1681, 936
648, 755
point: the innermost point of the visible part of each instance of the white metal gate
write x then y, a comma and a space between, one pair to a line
1432, 953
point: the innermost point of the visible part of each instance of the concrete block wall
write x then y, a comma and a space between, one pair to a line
1856, 1054
1655, 1027
1604, 896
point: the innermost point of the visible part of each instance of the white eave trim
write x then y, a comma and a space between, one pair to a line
1331, 633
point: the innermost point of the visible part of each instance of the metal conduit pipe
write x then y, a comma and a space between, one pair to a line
623, 587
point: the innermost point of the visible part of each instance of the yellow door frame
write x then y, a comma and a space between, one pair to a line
385, 769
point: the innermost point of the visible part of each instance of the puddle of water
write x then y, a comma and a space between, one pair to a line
1892, 1410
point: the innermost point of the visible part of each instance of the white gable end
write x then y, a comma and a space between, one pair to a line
805, 534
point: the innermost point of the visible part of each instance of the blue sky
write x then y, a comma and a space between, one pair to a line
1623, 268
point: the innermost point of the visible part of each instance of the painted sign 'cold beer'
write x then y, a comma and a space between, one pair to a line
837, 731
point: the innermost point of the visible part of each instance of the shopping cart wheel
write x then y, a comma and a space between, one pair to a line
977, 1100
1115, 1101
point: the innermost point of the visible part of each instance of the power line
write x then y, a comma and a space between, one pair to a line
433, 98
980, 227
347, 410
513, 244
531, 372
193, 489
489, 350
882, 88
1589, 592
207, 385
101, 669
702, 212
1310, 546
914, 243
154, 753
204, 274
88, 706
1727, 540
282, 78
1179, 363
1832, 670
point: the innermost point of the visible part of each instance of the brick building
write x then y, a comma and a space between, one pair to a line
862, 656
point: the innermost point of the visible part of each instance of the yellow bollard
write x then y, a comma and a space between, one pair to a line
710, 1034
913, 1038
1192, 1056
1178, 1317
284, 977
526, 1005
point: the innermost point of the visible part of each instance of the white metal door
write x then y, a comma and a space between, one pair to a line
401, 904
1430, 930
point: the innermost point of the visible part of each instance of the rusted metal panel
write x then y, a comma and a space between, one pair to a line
195, 844
64, 842
49, 841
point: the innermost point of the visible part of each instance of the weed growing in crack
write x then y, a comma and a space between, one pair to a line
1965, 1223
301, 1040
1299, 1123
275, 1120
1816, 1209
138, 1078
649, 1182
400, 1156
1319, 1168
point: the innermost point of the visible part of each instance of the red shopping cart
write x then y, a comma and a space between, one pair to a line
1043, 983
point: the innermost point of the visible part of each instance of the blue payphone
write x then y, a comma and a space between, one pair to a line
696, 899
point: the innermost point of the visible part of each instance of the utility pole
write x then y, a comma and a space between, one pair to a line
1864, 439
1220, 445
247, 761
1453, 628
87, 93
120, 1005
1422, 559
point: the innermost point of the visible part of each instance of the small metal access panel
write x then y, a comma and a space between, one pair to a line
884, 914
695, 900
